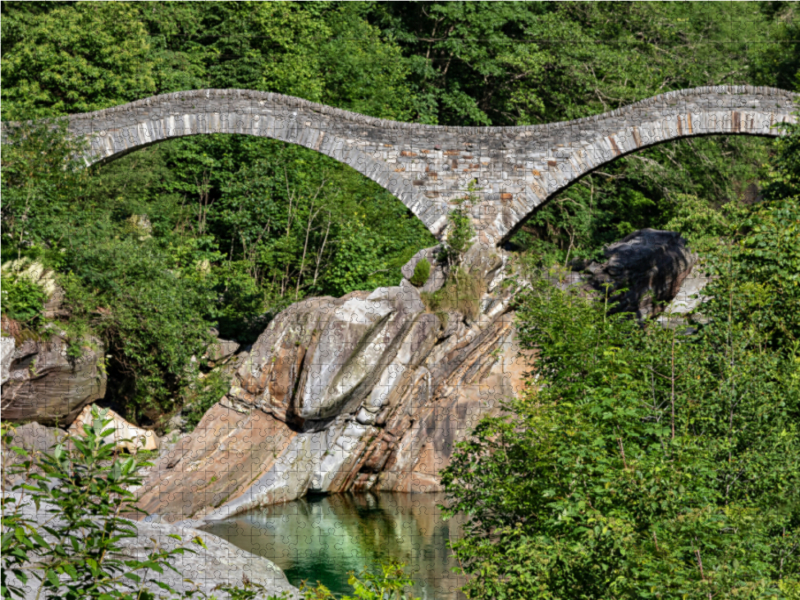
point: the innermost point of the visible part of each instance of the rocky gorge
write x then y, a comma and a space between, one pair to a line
370, 391
373, 390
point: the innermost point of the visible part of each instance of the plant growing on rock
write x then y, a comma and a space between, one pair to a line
422, 270
460, 232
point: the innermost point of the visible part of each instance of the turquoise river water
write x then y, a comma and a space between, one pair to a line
322, 538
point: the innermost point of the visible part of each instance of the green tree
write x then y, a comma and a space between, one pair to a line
75, 555
647, 462
74, 58
645, 465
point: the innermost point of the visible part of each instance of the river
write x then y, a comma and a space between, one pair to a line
321, 538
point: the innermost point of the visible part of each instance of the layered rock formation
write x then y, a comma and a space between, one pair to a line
44, 384
372, 391
368, 391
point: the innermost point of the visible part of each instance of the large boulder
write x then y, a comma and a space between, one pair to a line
643, 272
321, 357
47, 385
367, 391
213, 563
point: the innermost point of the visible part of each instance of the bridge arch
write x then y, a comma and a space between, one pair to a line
607, 137
518, 169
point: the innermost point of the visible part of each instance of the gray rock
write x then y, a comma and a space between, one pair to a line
7, 347
46, 385
220, 562
35, 439
221, 349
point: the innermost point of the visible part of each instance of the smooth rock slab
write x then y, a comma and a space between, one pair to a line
220, 563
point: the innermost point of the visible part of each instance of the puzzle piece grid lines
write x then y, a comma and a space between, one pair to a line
370, 392
516, 169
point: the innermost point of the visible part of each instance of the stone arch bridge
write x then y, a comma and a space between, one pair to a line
428, 167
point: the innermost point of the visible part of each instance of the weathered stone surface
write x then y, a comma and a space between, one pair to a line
7, 347
47, 386
221, 349
426, 167
320, 356
124, 436
446, 403
218, 563
217, 462
688, 299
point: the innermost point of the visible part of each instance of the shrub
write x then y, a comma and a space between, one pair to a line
85, 488
422, 271
462, 292
23, 299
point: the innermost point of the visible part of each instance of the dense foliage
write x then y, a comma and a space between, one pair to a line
224, 231
650, 462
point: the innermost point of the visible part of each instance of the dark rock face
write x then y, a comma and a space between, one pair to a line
644, 271
47, 386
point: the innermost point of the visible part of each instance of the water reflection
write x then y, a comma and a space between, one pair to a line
322, 538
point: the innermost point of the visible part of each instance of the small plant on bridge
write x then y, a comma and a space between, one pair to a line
460, 231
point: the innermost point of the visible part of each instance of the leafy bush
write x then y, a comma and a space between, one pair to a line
212, 388
85, 489
390, 583
23, 299
422, 270
644, 463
